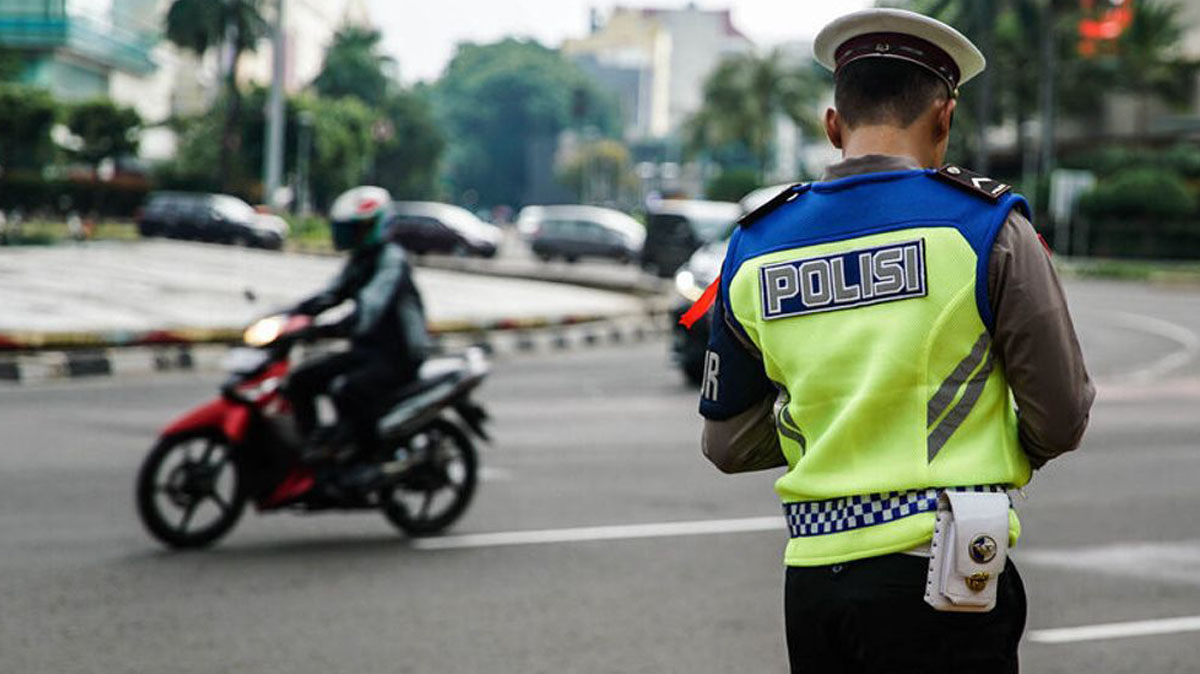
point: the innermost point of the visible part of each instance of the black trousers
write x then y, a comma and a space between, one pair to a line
870, 616
363, 379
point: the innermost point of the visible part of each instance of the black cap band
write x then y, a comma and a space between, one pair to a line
904, 47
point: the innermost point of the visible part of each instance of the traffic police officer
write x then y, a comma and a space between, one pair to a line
890, 333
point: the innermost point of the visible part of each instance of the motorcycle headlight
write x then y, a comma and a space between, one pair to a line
686, 284
264, 331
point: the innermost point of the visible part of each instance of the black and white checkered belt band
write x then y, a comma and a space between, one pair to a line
833, 516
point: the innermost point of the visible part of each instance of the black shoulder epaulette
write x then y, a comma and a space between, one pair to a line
979, 185
776, 201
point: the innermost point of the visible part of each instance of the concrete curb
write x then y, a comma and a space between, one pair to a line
1157, 272
519, 337
530, 270
83, 341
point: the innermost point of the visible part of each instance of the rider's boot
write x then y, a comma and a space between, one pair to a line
320, 445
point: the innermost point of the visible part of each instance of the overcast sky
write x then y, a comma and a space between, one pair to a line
421, 34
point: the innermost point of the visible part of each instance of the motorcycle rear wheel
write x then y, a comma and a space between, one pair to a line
435, 492
190, 474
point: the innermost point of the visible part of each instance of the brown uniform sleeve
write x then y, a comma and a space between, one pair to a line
744, 442
1036, 342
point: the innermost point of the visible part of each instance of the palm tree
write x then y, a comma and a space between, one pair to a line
354, 66
200, 25
744, 96
1147, 63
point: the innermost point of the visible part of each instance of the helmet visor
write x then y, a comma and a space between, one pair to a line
347, 235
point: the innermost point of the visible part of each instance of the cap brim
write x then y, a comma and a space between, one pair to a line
966, 55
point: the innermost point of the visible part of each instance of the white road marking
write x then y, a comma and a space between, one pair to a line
495, 474
604, 533
1066, 635
1187, 339
1176, 562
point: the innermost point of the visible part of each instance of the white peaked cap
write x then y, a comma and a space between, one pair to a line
898, 33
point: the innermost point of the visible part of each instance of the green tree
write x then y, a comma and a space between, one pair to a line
732, 185
409, 143
601, 172
342, 144
200, 25
743, 98
11, 65
197, 160
498, 100
1146, 60
354, 66
106, 129
343, 147
28, 115
1143, 61
406, 162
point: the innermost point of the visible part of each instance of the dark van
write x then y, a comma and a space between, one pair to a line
572, 231
675, 228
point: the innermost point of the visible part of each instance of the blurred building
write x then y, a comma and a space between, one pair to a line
82, 49
656, 61
73, 47
85, 49
308, 29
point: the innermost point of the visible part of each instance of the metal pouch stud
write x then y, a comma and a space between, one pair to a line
976, 582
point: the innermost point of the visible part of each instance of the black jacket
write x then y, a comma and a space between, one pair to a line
388, 317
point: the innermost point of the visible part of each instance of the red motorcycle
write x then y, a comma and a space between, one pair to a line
194, 484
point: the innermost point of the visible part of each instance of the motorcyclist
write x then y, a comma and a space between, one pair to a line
386, 329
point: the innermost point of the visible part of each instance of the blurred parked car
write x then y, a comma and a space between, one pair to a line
431, 227
675, 228
202, 216
572, 232
688, 346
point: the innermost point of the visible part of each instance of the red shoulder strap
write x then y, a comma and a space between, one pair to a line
701, 306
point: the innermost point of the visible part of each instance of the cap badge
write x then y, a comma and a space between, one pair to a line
983, 549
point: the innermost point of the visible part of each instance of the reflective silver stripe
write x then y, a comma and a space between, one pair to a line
939, 436
945, 393
787, 426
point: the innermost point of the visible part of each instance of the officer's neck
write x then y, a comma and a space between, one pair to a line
912, 142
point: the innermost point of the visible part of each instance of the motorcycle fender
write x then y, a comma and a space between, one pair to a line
474, 416
229, 418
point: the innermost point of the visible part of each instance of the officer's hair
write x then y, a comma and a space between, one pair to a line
885, 91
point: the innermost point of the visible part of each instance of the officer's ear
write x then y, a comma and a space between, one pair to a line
833, 127
944, 119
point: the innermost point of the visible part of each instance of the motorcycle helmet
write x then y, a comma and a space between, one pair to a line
359, 217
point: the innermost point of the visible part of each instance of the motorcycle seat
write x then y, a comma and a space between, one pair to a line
423, 384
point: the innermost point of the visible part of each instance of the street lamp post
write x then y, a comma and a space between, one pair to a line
1049, 62
273, 157
303, 149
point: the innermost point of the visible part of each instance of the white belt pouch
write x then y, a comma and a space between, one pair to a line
970, 546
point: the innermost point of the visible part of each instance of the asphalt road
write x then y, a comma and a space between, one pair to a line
604, 437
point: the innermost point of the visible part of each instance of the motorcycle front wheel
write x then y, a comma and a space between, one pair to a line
189, 490
436, 490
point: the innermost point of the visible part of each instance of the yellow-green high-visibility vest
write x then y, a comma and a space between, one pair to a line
867, 298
